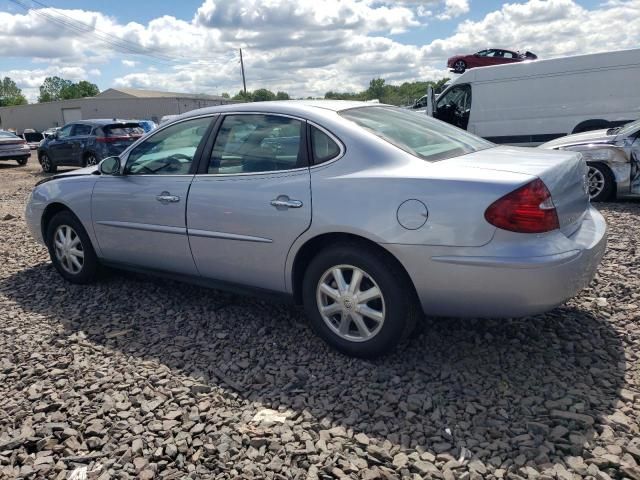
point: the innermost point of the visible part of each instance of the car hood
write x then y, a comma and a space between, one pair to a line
585, 138
78, 172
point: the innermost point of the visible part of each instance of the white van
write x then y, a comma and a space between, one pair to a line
530, 103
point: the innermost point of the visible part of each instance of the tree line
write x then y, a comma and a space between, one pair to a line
56, 88
52, 89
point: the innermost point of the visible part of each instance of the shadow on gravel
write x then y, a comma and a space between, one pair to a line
496, 387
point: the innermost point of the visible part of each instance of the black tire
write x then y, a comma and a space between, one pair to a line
90, 159
89, 270
609, 186
47, 164
400, 304
22, 161
459, 66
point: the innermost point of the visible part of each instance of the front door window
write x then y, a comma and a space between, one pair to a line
171, 151
454, 106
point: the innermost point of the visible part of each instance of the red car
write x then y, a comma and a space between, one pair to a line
485, 58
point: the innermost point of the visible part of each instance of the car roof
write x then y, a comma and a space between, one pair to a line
291, 107
102, 121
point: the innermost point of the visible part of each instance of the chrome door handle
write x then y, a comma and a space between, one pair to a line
285, 202
166, 197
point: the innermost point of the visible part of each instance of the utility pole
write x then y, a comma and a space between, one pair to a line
244, 82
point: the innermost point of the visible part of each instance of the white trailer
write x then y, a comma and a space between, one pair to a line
533, 102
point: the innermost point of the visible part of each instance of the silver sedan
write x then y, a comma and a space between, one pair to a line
366, 214
613, 156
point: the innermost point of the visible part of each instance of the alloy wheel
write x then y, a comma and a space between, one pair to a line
596, 182
459, 66
68, 248
351, 303
92, 160
46, 163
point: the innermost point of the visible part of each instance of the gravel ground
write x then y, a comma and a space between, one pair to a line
139, 377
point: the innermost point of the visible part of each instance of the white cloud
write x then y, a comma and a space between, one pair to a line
454, 8
305, 47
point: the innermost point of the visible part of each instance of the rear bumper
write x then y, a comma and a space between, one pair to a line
475, 282
15, 154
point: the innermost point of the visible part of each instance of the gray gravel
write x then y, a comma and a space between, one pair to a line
136, 377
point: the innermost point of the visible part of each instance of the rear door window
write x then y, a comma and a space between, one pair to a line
131, 130
81, 130
258, 143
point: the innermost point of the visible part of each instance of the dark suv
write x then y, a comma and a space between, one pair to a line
86, 142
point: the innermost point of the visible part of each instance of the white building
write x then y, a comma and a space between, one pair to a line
125, 103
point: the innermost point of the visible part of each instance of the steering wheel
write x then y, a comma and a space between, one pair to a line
179, 156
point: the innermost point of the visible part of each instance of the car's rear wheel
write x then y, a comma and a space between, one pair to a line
460, 66
359, 300
70, 249
90, 160
601, 182
22, 161
47, 165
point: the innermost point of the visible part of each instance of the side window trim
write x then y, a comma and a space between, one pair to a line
213, 118
203, 164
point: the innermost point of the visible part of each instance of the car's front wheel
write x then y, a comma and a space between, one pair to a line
359, 300
47, 165
90, 160
22, 161
70, 249
460, 66
601, 182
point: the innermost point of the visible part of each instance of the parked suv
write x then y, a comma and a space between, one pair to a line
86, 142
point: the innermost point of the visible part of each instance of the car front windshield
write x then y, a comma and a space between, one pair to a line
629, 128
416, 133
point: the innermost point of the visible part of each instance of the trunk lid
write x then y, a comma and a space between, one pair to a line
563, 172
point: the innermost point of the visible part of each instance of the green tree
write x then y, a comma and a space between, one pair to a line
376, 90
243, 97
80, 90
52, 88
10, 94
225, 95
405, 94
263, 95
282, 96
56, 88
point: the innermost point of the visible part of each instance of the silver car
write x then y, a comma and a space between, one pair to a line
613, 156
366, 214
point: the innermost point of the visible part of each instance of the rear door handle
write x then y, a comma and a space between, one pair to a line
166, 197
285, 202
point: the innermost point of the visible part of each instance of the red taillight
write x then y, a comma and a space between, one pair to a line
117, 139
529, 209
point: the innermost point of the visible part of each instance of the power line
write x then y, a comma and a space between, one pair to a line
103, 36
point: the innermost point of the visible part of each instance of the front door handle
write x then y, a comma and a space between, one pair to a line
283, 202
166, 197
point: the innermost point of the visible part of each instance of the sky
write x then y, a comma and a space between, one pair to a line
303, 47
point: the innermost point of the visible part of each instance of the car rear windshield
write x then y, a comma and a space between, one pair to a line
126, 130
7, 135
416, 133
33, 136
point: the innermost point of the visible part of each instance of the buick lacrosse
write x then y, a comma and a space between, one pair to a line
366, 214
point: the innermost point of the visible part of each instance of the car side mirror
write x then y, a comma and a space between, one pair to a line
110, 166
